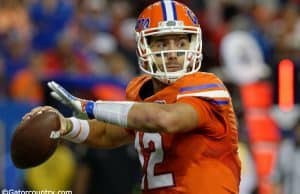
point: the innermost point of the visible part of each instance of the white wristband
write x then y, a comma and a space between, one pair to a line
79, 131
114, 112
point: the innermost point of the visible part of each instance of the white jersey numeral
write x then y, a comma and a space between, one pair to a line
151, 153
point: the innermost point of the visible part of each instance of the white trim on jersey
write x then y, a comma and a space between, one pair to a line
207, 94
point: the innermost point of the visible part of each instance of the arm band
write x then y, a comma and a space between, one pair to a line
114, 112
79, 132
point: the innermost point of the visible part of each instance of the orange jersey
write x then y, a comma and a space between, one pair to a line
204, 160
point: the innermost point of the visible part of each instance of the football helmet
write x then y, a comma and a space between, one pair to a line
168, 17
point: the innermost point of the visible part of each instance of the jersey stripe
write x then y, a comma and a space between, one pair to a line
202, 87
207, 94
220, 102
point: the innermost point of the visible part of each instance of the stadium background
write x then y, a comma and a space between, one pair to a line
88, 46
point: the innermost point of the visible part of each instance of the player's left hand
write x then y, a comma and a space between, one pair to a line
82, 107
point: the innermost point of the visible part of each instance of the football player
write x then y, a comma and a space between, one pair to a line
180, 120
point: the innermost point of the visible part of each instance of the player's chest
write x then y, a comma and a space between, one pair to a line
166, 96
156, 146
151, 151
152, 143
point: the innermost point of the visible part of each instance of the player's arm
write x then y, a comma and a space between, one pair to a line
105, 135
170, 118
149, 117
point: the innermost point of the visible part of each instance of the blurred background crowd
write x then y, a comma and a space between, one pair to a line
89, 47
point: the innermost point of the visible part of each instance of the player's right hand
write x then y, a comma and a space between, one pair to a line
77, 104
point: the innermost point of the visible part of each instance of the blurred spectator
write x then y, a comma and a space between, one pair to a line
2, 154
242, 57
262, 15
2, 81
126, 40
111, 61
100, 46
108, 92
119, 66
123, 29
244, 65
25, 87
248, 177
243, 60
286, 175
120, 11
63, 59
104, 44
21, 84
286, 120
287, 33
50, 18
14, 18
95, 15
16, 54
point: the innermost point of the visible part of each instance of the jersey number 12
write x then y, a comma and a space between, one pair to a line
151, 153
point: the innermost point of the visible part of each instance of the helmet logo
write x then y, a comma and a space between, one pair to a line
171, 23
142, 23
192, 16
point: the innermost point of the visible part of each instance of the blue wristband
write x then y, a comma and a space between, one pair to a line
89, 109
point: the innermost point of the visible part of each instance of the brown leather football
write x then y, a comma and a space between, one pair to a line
31, 144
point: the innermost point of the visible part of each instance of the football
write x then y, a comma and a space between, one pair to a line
31, 144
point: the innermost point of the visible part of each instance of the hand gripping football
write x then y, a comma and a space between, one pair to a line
31, 144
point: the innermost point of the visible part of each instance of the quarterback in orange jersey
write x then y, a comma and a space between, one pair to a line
180, 120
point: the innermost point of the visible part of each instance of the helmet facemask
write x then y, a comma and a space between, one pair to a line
154, 63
